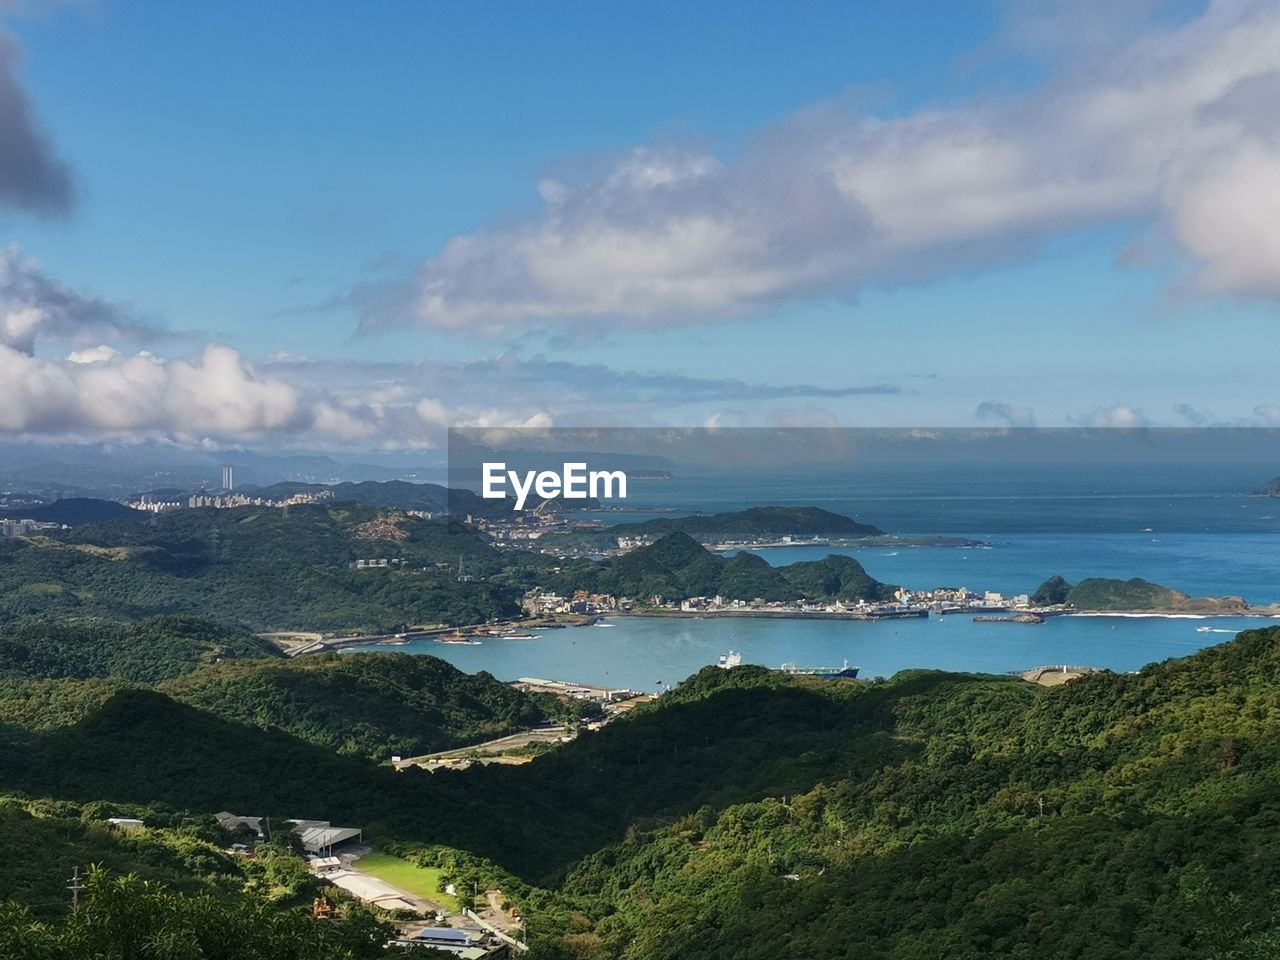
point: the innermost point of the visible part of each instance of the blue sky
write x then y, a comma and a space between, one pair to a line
786, 195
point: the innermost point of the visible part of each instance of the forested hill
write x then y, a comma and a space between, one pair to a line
265, 568
149, 651
765, 817
755, 523
1103, 593
76, 511
54, 675
371, 705
930, 815
677, 566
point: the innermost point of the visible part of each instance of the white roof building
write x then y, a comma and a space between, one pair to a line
322, 839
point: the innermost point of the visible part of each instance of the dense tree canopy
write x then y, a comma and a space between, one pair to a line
265, 568
677, 566
747, 814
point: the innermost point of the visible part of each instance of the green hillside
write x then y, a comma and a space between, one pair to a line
370, 705
167, 891
77, 511
1100, 593
264, 568
54, 675
1116, 816
836, 577
1097, 593
149, 651
762, 816
677, 566
1052, 592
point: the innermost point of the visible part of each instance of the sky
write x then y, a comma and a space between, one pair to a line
315, 225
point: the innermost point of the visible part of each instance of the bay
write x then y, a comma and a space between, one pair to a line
652, 653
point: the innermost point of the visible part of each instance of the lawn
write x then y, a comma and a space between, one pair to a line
426, 882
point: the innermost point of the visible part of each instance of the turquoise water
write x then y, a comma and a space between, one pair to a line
1188, 525
641, 652
638, 652
1211, 565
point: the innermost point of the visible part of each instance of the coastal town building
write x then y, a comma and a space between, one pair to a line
18, 528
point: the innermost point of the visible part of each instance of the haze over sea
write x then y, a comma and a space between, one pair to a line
1194, 530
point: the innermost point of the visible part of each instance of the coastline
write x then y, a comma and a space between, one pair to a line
391, 641
1261, 613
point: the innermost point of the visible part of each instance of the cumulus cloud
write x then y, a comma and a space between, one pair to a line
219, 397
34, 306
1013, 416
32, 177
1116, 416
100, 390
217, 394
1176, 128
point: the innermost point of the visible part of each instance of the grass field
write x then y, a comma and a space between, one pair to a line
426, 882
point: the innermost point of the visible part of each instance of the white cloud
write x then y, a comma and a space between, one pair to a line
1174, 128
1229, 220
1116, 416
99, 354
1007, 413
217, 394
33, 306
220, 397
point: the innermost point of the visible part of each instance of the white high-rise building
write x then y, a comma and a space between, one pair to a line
228, 478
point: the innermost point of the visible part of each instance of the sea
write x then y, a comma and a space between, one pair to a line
1197, 530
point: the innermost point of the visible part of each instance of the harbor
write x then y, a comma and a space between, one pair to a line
652, 654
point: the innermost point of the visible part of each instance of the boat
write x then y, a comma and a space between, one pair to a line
518, 636
826, 673
458, 638
729, 660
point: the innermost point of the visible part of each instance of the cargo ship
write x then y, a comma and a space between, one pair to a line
827, 673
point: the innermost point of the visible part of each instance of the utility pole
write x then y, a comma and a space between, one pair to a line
75, 885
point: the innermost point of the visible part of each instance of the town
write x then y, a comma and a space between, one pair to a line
906, 603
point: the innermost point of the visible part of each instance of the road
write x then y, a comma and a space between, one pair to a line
523, 739
323, 646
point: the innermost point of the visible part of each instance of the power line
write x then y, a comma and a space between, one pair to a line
75, 885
